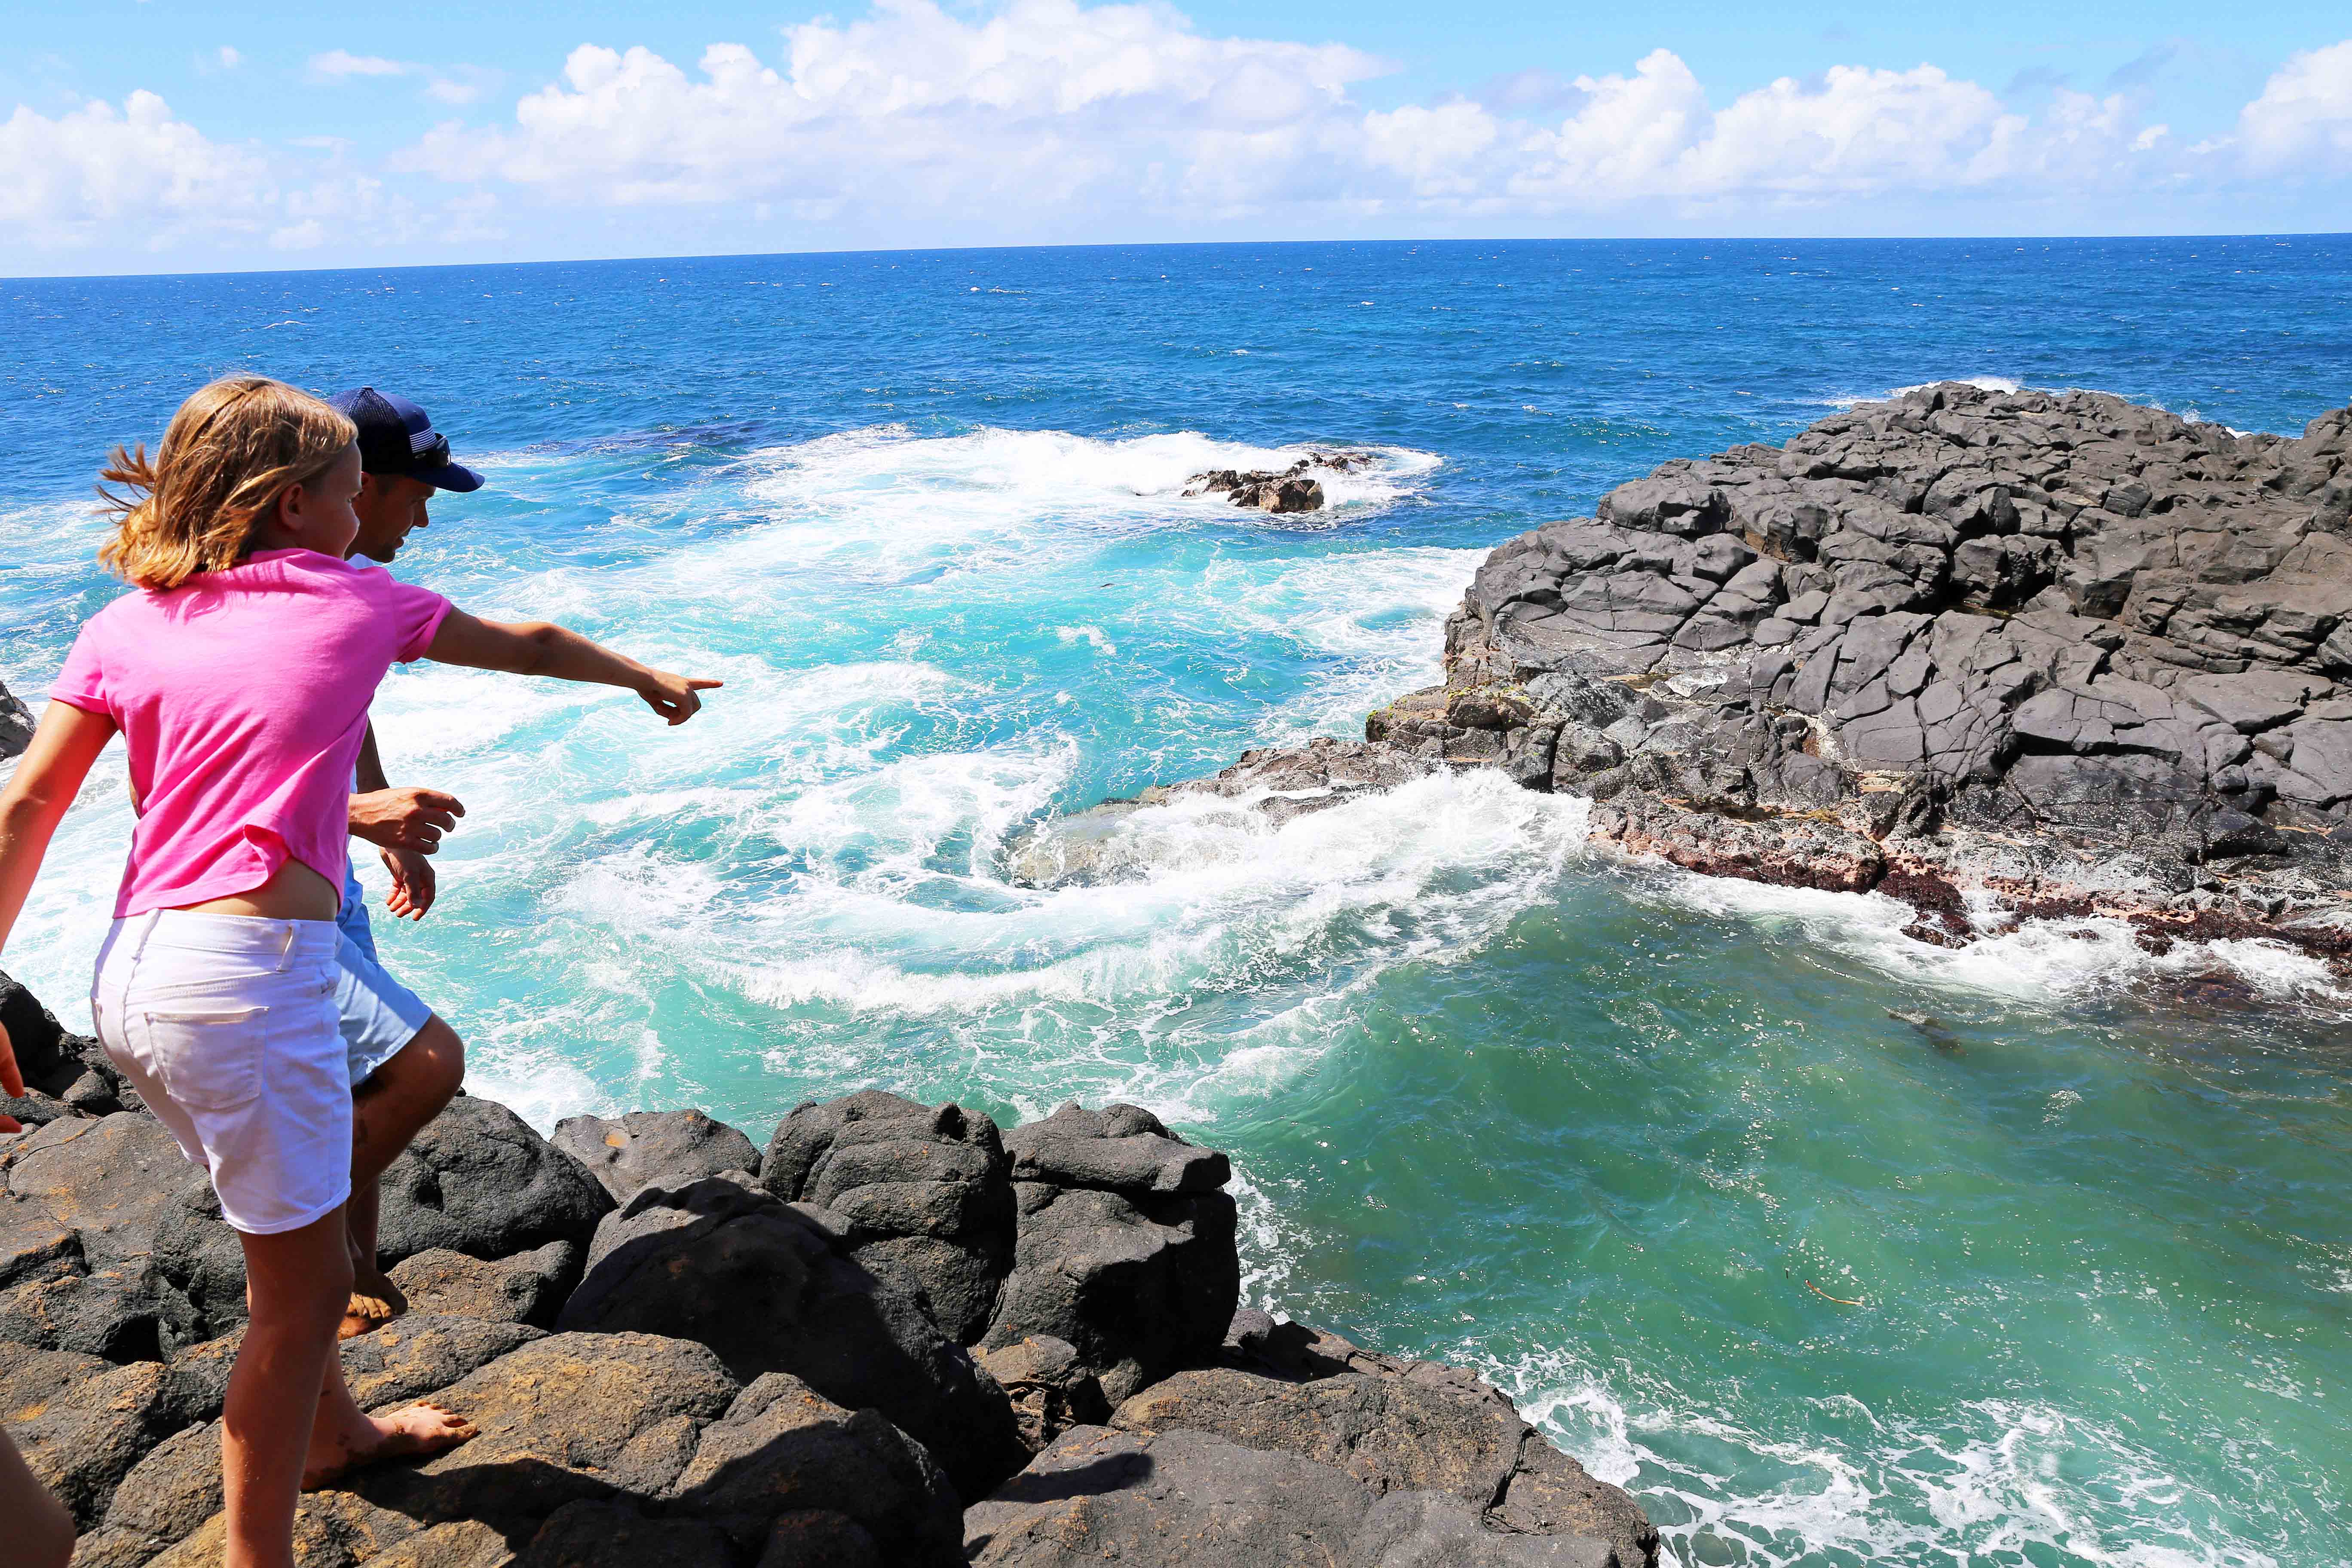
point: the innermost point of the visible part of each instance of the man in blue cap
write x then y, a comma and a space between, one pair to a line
405, 1063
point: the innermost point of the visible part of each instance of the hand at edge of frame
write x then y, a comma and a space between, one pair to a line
405, 818
415, 884
676, 697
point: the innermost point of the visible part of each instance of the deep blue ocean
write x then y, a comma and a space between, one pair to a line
2075, 1288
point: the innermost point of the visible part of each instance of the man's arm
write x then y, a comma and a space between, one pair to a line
405, 825
536, 647
371, 768
389, 818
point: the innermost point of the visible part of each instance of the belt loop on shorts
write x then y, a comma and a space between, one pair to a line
285, 948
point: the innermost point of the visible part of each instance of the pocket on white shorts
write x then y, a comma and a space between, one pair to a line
208, 1056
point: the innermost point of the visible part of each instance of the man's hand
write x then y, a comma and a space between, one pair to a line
672, 696
12, 1082
413, 884
410, 819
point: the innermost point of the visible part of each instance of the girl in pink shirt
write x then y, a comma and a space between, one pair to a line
240, 676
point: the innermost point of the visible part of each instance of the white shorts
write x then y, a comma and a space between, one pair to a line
226, 1027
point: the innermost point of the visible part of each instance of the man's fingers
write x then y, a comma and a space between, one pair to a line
440, 800
696, 684
10, 1124
12, 1080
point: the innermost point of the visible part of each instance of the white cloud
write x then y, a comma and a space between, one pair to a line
139, 177
1041, 103
1053, 109
337, 64
227, 58
1028, 121
138, 169
2302, 121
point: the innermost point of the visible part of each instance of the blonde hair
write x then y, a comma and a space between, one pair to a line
228, 455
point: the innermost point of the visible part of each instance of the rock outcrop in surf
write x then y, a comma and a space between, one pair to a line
1995, 653
893, 1336
15, 724
1293, 489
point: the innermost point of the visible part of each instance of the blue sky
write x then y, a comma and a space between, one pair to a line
163, 136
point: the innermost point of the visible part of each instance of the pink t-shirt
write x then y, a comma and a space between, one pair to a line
243, 697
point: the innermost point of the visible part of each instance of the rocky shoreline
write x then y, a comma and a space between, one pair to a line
1999, 655
893, 1335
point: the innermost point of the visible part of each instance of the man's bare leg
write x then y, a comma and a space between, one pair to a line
387, 1110
40, 1532
289, 1415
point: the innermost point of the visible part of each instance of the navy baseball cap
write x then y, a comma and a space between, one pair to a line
397, 437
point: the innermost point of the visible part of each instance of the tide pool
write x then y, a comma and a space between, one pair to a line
2066, 1279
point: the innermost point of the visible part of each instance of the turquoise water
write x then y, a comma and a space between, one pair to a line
2068, 1281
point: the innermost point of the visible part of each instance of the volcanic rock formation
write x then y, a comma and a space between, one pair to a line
1995, 653
896, 1337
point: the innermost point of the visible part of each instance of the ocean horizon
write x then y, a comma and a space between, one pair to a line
2067, 1284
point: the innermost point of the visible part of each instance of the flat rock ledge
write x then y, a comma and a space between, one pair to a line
892, 1334
1997, 655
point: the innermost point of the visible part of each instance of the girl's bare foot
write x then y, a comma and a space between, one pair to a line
375, 1301
423, 1428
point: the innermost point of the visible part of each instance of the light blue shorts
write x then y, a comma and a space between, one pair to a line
379, 1013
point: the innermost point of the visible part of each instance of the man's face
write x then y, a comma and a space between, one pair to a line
389, 505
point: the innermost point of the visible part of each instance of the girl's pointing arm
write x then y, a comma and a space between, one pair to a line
536, 647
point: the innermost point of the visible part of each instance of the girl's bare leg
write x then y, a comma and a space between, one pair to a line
290, 1419
296, 1284
40, 1533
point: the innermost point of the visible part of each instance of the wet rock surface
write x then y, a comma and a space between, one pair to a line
908, 1337
1994, 653
15, 724
1294, 488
